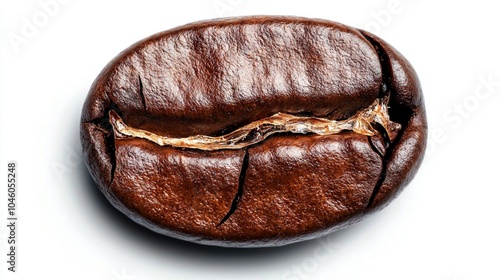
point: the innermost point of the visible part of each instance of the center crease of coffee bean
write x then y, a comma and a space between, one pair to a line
258, 131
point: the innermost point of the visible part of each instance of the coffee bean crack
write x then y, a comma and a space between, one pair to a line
257, 131
103, 123
239, 193
399, 114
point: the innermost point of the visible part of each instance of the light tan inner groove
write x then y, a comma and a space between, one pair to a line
259, 130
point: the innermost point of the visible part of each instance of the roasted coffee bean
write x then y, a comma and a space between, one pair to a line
254, 131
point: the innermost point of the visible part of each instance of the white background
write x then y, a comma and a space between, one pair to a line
444, 226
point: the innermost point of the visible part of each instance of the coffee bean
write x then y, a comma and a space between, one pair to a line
254, 131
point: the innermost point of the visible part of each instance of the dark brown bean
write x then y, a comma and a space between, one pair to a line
254, 131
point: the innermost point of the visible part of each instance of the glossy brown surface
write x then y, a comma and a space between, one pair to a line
213, 77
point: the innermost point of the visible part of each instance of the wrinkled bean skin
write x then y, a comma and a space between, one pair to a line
211, 77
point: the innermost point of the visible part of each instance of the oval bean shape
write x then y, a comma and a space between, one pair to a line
254, 131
